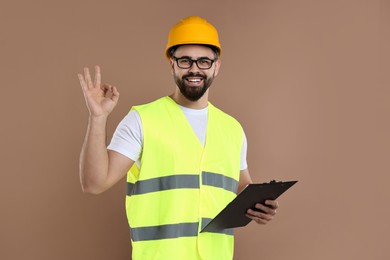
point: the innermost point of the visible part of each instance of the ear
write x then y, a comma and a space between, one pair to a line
171, 64
217, 67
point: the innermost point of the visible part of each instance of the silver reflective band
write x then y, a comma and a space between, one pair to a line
220, 181
182, 181
164, 231
171, 231
228, 231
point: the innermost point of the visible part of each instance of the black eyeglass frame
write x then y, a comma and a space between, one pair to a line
192, 62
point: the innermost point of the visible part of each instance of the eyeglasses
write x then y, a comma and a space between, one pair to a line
201, 63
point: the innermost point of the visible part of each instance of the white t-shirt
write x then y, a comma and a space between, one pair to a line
128, 136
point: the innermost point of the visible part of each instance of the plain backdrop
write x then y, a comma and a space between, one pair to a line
308, 80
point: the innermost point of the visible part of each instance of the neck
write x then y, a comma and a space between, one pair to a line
183, 101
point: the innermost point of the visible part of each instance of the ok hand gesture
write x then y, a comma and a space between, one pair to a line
100, 98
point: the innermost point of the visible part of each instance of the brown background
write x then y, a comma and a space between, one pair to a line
308, 80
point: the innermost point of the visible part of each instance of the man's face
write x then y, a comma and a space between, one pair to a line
193, 82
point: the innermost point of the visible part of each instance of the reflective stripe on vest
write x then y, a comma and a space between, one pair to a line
180, 182
172, 231
220, 181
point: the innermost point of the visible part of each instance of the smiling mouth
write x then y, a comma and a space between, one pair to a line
194, 81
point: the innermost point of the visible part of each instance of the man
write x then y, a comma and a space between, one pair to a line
185, 159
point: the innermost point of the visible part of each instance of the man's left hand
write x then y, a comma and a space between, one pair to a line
264, 213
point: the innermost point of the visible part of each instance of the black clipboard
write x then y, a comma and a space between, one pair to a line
233, 215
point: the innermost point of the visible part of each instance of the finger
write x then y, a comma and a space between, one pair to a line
82, 81
115, 94
112, 90
106, 87
97, 76
257, 219
273, 203
258, 214
265, 209
88, 78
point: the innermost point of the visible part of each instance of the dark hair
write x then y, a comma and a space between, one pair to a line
171, 51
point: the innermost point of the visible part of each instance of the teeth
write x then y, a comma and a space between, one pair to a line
194, 80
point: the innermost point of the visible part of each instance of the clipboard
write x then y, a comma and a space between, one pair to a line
233, 215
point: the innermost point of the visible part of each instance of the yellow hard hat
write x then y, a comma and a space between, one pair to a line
193, 30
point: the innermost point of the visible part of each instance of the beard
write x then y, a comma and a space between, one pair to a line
190, 92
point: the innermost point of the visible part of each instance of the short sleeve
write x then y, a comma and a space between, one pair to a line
128, 137
243, 164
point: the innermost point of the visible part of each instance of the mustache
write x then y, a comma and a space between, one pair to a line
191, 74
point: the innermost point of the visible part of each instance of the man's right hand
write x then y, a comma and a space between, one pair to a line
100, 98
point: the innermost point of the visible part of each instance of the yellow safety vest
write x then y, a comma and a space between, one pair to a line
181, 184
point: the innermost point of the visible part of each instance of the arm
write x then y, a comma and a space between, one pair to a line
264, 213
245, 179
99, 168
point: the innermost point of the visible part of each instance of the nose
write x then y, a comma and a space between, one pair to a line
194, 67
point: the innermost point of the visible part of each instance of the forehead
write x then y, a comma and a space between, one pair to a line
194, 51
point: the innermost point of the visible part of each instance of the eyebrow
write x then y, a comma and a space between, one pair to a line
188, 57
